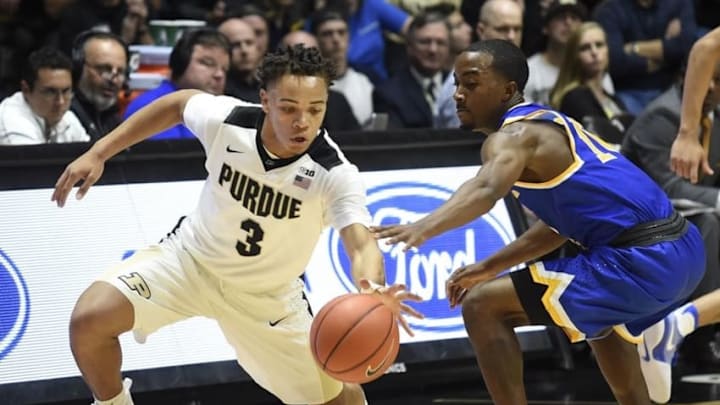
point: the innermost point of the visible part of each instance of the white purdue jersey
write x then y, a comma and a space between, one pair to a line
259, 218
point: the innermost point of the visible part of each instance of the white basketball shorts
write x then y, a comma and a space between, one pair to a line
269, 331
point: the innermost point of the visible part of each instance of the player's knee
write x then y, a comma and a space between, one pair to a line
101, 311
477, 304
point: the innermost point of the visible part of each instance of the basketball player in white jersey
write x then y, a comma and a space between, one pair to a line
275, 180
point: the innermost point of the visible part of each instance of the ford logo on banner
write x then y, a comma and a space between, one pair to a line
15, 307
424, 271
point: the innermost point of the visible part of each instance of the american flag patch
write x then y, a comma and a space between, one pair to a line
302, 182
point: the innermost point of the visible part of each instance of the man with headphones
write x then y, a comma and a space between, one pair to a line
199, 60
100, 72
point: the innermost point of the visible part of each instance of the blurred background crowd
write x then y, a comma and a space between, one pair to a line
72, 70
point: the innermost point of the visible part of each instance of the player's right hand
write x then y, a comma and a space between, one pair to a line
394, 296
686, 156
88, 168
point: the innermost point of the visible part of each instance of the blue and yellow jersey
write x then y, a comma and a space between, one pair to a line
599, 195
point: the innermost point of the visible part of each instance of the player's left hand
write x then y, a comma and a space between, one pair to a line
465, 278
393, 296
413, 234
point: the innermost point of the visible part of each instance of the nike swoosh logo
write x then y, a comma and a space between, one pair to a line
373, 370
233, 150
272, 324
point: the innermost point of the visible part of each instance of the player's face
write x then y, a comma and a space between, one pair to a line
51, 95
295, 108
480, 92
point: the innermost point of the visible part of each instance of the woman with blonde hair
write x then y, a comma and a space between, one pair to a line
579, 92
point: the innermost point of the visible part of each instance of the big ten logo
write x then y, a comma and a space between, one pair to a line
306, 171
15, 307
426, 269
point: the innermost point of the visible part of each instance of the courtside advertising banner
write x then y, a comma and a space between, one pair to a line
48, 256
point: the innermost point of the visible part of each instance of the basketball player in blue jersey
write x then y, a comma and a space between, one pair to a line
638, 261
275, 180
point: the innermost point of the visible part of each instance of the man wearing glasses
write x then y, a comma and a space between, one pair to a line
39, 113
100, 63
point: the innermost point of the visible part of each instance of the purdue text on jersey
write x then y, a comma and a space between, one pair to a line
260, 199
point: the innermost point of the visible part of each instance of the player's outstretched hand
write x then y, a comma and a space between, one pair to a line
394, 296
88, 168
686, 156
412, 235
465, 278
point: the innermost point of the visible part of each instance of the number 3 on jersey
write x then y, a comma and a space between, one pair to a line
255, 234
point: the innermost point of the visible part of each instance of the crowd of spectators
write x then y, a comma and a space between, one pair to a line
66, 65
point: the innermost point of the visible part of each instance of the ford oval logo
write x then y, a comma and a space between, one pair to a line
15, 308
426, 270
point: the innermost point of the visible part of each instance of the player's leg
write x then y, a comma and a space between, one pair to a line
276, 354
491, 311
662, 340
101, 314
154, 287
619, 363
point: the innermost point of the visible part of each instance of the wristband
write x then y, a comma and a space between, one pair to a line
374, 287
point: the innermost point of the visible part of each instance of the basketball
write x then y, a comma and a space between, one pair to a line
354, 338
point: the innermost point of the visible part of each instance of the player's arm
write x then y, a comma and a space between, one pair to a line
366, 260
505, 155
157, 116
536, 242
687, 154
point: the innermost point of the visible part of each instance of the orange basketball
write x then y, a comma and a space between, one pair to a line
354, 338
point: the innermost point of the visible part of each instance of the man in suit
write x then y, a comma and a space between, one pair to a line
408, 97
647, 143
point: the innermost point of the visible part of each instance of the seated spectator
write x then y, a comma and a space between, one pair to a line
212, 11
579, 90
254, 16
647, 143
338, 114
284, 16
460, 31
39, 112
408, 97
368, 19
127, 19
498, 19
199, 60
560, 20
100, 72
648, 40
241, 81
331, 30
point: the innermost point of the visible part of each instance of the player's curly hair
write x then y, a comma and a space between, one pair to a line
296, 60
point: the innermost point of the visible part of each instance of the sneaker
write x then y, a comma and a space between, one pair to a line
658, 351
125, 399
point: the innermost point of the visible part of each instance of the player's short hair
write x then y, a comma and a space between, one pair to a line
44, 58
295, 60
508, 59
